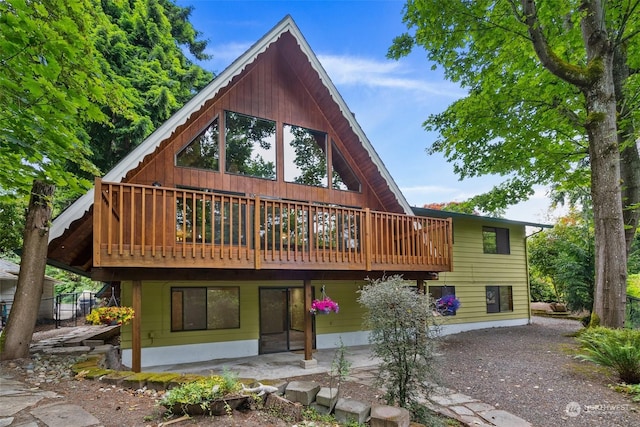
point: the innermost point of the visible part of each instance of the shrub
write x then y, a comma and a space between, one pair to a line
615, 348
402, 335
202, 392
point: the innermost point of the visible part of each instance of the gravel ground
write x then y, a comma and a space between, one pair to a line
531, 372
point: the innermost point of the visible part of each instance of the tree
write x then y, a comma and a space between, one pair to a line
402, 335
24, 311
140, 43
50, 85
552, 100
74, 78
564, 256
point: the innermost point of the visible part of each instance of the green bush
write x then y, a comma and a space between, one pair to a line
542, 291
633, 285
615, 348
403, 333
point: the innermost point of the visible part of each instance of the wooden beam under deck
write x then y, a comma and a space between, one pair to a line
122, 274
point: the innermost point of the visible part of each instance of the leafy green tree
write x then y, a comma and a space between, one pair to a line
402, 335
141, 42
564, 256
552, 100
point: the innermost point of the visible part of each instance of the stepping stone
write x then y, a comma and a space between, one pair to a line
302, 391
64, 415
502, 418
389, 416
350, 410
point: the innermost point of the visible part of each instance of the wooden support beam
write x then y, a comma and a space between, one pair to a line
136, 348
308, 321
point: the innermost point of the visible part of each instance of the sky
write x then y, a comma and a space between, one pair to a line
390, 99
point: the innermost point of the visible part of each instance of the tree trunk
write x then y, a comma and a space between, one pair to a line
26, 304
629, 155
610, 249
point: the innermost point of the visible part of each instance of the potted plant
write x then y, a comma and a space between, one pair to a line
110, 316
214, 395
447, 305
324, 306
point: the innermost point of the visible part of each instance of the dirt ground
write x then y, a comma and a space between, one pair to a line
117, 406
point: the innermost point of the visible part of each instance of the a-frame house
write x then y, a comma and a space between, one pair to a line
257, 196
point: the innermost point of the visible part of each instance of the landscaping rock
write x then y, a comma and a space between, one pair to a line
327, 397
389, 416
302, 391
283, 407
350, 410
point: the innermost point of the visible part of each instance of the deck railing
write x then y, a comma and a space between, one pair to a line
138, 225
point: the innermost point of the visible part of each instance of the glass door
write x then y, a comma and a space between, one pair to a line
281, 319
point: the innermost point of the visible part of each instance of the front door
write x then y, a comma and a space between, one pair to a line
281, 319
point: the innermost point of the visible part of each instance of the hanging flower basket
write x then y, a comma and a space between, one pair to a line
110, 316
447, 305
324, 306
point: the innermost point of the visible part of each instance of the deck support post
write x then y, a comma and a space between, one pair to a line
308, 321
136, 350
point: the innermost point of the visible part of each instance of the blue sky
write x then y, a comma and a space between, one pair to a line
391, 99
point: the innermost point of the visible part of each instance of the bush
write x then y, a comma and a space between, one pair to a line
402, 335
542, 291
615, 348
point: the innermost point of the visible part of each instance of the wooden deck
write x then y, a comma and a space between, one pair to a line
146, 226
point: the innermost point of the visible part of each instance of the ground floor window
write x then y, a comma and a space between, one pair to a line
199, 308
499, 299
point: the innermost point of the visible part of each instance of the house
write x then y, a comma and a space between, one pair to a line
259, 195
490, 275
8, 283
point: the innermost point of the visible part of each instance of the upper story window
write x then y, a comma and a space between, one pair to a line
250, 147
343, 176
495, 240
305, 156
203, 151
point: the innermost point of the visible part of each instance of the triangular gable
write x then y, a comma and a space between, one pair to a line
151, 143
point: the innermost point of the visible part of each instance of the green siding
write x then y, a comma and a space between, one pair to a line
156, 312
473, 270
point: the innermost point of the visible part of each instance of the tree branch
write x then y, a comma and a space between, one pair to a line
573, 74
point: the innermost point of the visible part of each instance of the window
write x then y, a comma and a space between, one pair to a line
342, 177
495, 240
305, 156
203, 308
250, 147
438, 292
211, 219
499, 299
202, 152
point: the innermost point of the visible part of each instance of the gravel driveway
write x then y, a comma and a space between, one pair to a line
531, 372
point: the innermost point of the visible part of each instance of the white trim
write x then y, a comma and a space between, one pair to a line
456, 328
189, 353
148, 146
349, 339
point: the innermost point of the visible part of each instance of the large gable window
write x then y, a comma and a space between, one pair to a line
250, 147
495, 240
305, 156
203, 151
343, 176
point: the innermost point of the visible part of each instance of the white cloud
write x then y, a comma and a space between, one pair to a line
225, 54
349, 70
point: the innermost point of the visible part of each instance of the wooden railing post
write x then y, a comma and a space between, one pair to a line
256, 234
97, 220
367, 239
